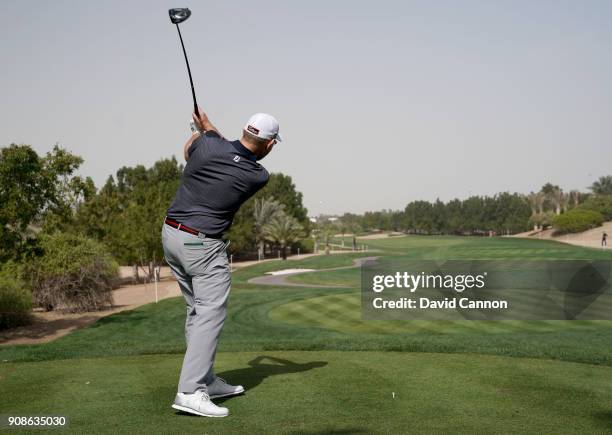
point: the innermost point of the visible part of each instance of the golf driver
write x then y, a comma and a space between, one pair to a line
177, 16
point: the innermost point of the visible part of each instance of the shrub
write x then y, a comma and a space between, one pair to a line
15, 297
543, 220
306, 245
600, 203
75, 273
577, 220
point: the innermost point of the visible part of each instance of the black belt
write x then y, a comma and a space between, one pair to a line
185, 228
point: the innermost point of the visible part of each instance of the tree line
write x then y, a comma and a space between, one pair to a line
42, 195
61, 238
503, 213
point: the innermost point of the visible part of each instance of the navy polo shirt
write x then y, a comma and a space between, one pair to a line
219, 176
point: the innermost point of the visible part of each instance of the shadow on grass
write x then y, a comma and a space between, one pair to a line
127, 316
350, 430
606, 418
258, 370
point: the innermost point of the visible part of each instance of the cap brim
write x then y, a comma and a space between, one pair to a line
278, 137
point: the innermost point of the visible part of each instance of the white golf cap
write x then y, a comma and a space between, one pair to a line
264, 126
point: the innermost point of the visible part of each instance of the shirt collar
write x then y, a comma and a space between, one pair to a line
244, 151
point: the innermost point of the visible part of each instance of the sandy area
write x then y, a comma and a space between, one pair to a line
381, 236
48, 326
289, 271
590, 238
275, 278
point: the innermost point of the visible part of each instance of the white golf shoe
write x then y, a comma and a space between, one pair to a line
199, 403
220, 388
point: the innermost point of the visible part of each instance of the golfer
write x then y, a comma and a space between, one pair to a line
219, 176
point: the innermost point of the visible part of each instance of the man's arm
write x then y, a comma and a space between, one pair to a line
204, 125
188, 144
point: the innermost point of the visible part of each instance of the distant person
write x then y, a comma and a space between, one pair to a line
220, 175
604, 239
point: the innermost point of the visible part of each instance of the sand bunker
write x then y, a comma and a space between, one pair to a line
289, 271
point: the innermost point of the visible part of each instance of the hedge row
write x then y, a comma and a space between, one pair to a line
75, 273
577, 220
599, 203
15, 297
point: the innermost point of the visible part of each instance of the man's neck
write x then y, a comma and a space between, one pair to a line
249, 146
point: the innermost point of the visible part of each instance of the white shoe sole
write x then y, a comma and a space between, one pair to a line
235, 393
193, 411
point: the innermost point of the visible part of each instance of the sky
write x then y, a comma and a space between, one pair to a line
379, 103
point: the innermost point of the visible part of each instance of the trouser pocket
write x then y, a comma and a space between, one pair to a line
198, 255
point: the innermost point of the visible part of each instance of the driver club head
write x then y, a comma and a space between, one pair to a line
178, 15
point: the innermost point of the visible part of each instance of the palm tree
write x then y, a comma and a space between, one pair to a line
328, 230
533, 202
565, 201
284, 230
558, 199
574, 198
603, 186
264, 212
541, 199
536, 201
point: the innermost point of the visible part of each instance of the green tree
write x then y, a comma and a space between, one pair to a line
576, 221
264, 211
473, 214
454, 212
603, 186
599, 203
536, 202
283, 230
551, 197
281, 188
440, 217
127, 213
242, 232
513, 212
353, 222
419, 217
575, 198
558, 199
36, 192
15, 296
74, 273
327, 230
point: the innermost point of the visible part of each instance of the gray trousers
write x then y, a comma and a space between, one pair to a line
202, 270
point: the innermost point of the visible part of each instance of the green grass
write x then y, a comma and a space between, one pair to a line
322, 392
461, 376
342, 312
265, 318
241, 276
258, 321
341, 277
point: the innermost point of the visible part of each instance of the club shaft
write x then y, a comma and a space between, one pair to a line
195, 103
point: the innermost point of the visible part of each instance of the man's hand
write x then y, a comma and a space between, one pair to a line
203, 125
202, 122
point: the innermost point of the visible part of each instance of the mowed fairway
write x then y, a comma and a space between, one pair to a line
311, 365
